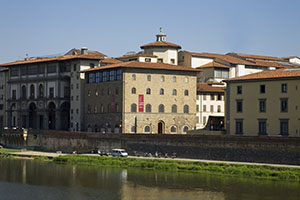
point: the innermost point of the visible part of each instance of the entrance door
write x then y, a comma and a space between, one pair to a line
161, 127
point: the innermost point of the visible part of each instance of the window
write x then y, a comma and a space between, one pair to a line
148, 108
262, 127
186, 79
204, 97
149, 78
51, 92
95, 109
204, 120
238, 126
174, 108
14, 72
186, 93
174, 79
212, 97
92, 65
133, 90
211, 108
112, 75
219, 108
91, 77
161, 108
133, 129
32, 70
89, 93
262, 105
23, 70
74, 67
174, 92
262, 89
147, 129
219, 97
284, 88
104, 76
172, 61
51, 68
204, 108
197, 108
161, 91
23, 95
133, 107
162, 79
96, 93
97, 77
284, 127
173, 129
239, 89
239, 106
102, 108
133, 77
147, 59
284, 105
41, 90
186, 109
221, 73
117, 108
159, 60
148, 91
119, 75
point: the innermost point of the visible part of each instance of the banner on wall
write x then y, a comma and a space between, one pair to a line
141, 103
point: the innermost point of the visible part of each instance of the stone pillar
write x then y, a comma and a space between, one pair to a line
58, 119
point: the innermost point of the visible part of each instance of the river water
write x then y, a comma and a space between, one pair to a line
29, 179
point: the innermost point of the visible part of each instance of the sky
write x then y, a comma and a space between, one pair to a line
114, 27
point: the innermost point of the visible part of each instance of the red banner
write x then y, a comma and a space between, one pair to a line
141, 103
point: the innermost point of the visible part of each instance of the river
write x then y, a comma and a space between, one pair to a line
30, 179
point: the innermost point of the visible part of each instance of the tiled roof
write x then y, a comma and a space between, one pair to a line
110, 61
269, 74
136, 56
161, 44
256, 57
290, 57
226, 58
205, 87
145, 65
78, 52
49, 59
212, 65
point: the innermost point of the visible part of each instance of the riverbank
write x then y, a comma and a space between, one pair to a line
221, 168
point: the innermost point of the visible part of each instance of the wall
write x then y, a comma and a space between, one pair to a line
281, 150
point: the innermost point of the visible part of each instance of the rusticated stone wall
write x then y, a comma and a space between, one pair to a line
283, 150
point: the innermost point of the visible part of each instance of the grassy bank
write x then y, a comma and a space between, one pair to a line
4, 150
255, 171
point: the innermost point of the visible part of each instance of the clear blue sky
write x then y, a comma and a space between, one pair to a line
44, 27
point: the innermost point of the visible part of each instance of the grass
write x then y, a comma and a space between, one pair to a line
5, 150
253, 171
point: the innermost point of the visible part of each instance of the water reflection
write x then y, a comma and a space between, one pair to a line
41, 180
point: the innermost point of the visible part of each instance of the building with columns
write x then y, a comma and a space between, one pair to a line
46, 92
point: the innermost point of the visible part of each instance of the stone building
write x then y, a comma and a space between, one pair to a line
140, 97
3, 79
265, 103
46, 92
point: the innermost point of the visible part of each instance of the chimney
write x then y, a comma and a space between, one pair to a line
84, 50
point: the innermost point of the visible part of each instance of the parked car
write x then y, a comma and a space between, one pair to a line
119, 152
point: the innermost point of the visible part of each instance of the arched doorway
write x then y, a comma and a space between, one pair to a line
51, 116
32, 116
65, 116
161, 127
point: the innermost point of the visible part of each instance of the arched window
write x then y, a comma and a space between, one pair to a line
148, 91
186, 93
23, 92
32, 91
148, 108
133, 107
186, 109
185, 129
161, 108
174, 92
41, 90
173, 129
133, 77
102, 108
147, 129
161, 91
133, 90
174, 108
149, 78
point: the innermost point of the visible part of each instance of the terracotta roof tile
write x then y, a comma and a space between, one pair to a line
256, 57
110, 61
205, 87
135, 64
136, 56
212, 65
269, 74
161, 44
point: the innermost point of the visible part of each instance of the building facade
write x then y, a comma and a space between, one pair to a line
265, 103
136, 97
3, 80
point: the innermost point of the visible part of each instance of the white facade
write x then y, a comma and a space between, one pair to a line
167, 54
197, 61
